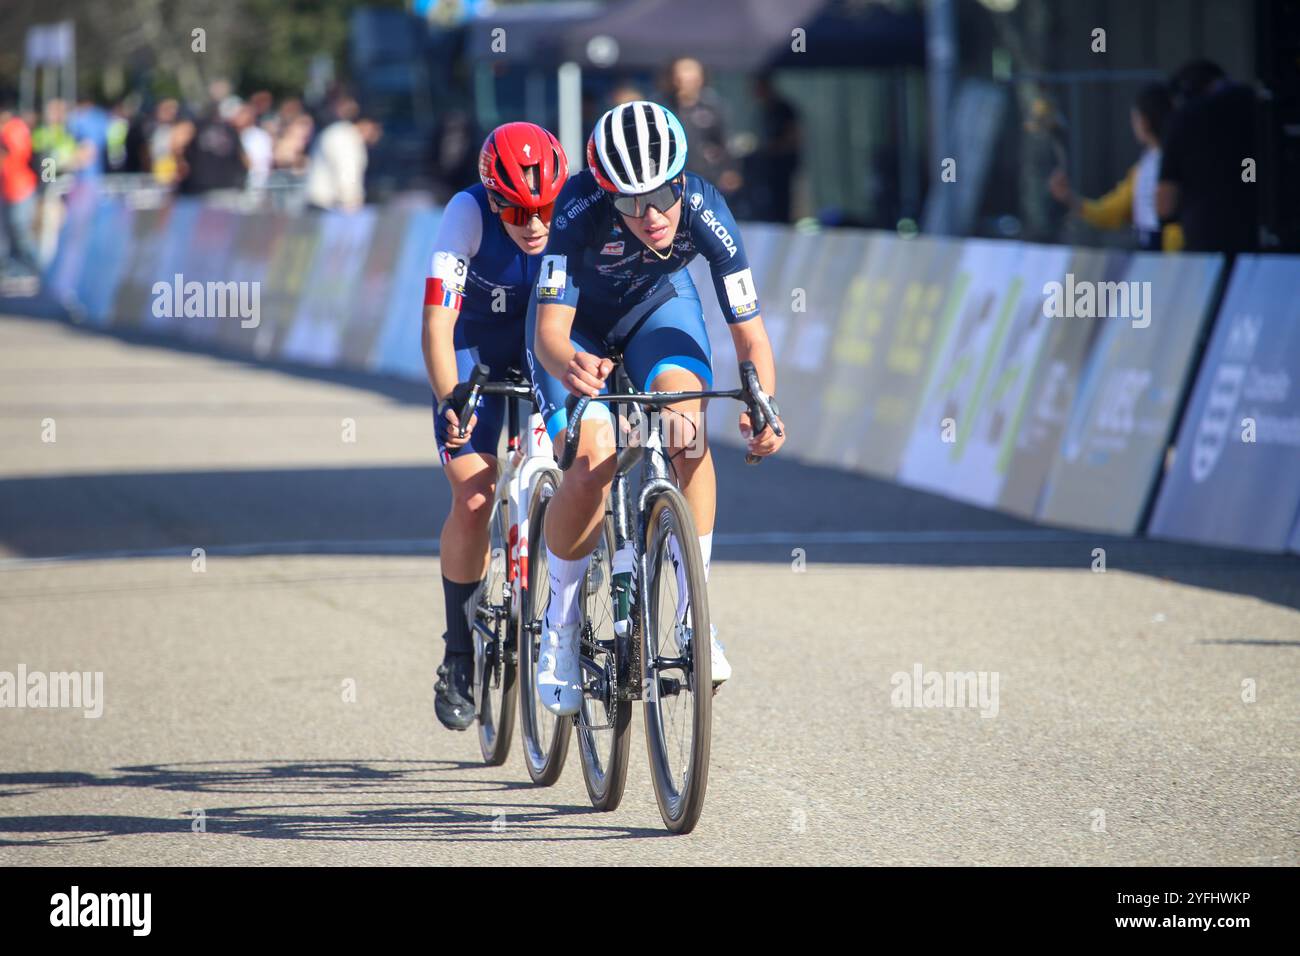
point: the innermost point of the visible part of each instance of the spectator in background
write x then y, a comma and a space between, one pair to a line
1209, 137
700, 112
89, 127
138, 133
290, 151
624, 92
51, 140
263, 105
1133, 200
162, 130
257, 144
119, 126
769, 170
336, 173
17, 191
214, 158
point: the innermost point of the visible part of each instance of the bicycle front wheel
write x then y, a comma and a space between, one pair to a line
678, 685
545, 736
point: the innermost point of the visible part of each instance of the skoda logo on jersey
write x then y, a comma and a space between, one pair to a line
719, 230
696, 200
560, 220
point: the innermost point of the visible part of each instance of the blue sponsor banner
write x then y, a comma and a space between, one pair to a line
62, 275
105, 259
173, 245
316, 335
1235, 477
397, 350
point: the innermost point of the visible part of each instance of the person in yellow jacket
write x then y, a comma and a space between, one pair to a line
1133, 200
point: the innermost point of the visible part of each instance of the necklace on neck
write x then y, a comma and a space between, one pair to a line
664, 257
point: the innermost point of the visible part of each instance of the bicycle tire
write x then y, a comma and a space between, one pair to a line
543, 758
680, 802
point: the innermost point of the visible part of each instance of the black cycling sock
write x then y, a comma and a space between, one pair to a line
458, 632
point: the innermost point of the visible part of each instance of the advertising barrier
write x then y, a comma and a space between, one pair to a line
1125, 410
1235, 478
1041, 380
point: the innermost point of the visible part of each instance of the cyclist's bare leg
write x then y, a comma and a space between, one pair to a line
463, 545
573, 518
685, 438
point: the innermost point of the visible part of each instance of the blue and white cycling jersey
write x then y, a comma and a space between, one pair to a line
629, 299
477, 267
592, 257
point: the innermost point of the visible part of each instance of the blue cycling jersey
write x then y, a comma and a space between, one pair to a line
591, 255
476, 259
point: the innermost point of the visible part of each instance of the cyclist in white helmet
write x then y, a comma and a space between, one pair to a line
613, 279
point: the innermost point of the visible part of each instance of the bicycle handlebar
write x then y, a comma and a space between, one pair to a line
478, 386
757, 403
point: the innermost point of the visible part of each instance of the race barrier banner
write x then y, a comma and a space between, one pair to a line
1041, 380
1124, 412
1235, 478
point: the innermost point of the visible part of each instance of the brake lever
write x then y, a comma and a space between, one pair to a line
477, 379
574, 407
761, 413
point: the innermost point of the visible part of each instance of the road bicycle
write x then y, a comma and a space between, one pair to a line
644, 631
494, 606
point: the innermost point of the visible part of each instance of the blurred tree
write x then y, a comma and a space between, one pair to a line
254, 43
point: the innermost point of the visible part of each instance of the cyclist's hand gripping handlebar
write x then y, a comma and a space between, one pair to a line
762, 409
464, 398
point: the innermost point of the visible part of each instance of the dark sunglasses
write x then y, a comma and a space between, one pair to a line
663, 199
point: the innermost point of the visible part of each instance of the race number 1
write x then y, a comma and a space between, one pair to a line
741, 294
553, 277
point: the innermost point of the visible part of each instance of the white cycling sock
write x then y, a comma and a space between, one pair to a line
706, 552
565, 576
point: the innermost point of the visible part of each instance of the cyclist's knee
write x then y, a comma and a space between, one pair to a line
471, 495
593, 467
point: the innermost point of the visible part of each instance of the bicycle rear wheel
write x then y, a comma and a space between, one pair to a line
603, 738
545, 736
678, 685
495, 655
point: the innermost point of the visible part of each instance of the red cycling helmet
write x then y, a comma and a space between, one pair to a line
507, 152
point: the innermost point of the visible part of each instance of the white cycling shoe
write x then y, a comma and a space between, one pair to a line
559, 675
721, 667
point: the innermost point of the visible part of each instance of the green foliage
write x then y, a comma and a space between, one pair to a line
286, 34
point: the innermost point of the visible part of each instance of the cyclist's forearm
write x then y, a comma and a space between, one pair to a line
553, 346
752, 344
437, 341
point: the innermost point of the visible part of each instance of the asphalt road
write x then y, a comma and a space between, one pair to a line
1120, 734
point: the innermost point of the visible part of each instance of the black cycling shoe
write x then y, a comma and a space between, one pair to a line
453, 695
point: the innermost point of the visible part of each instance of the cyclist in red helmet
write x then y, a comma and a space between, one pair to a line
482, 271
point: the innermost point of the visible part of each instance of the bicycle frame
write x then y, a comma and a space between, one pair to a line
528, 453
629, 563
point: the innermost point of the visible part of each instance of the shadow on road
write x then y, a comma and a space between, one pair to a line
414, 801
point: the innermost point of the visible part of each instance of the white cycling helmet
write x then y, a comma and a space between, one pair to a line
636, 147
